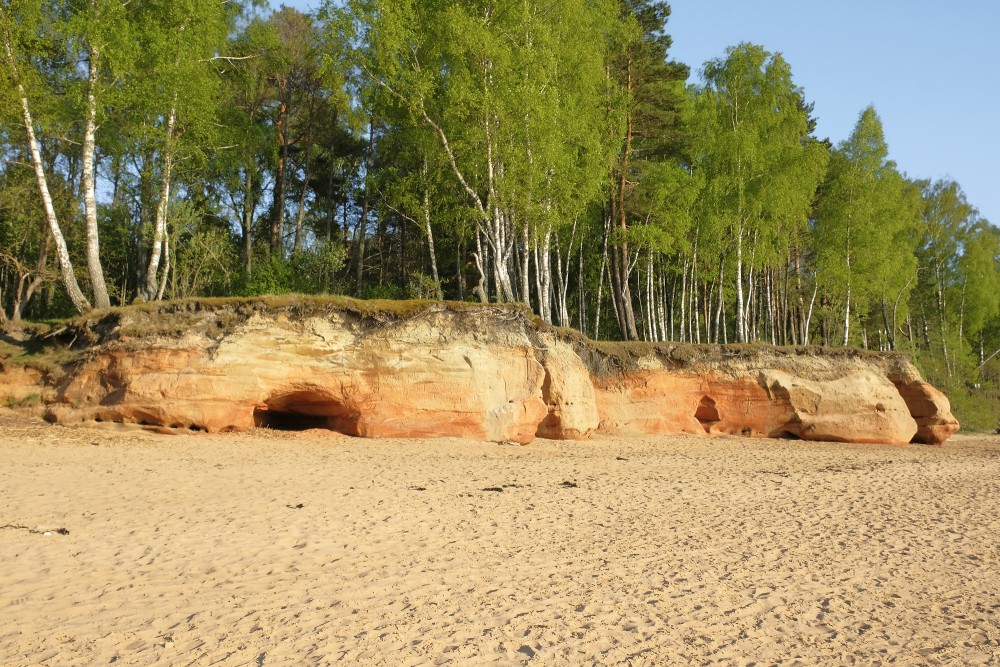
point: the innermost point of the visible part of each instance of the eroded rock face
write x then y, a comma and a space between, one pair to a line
413, 380
862, 406
930, 409
19, 384
486, 374
568, 393
857, 404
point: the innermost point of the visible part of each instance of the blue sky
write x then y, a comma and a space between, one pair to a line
930, 69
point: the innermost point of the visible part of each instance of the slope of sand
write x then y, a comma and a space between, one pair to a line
314, 548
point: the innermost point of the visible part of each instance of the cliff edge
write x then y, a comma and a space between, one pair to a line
419, 369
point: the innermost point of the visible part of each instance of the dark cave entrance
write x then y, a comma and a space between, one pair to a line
277, 420
707, 414
306, 410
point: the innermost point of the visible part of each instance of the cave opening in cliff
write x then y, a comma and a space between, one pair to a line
306, 410
277, 420
707, 414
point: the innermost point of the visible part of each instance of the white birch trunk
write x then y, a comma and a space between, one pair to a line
80, 302
600, 281
94, 268
847, 315
429, 230
162, 208
166, 268
741, 327
526, 268
684, 298
543, 266
809, 314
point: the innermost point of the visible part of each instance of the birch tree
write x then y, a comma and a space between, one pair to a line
176, 98
752, 147
864, 224
510, 95
17, 35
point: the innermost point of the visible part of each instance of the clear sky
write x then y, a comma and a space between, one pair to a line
932, 70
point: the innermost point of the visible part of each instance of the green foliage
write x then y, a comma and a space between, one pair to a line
421, 286
546, 153
753, 150
205, 260
273, 276
313, 270
865, 221
979, 268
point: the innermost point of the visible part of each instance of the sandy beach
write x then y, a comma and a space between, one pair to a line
131, 548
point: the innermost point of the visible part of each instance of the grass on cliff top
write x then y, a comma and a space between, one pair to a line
625, 355
53, 345
48, 357
214, 316
62, 343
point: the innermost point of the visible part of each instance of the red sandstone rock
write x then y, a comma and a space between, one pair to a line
650, 402
17, 384
568, 394
859, 407
275, 372
931, 410
486, 374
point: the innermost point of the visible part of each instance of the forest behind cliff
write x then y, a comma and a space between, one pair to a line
543, 153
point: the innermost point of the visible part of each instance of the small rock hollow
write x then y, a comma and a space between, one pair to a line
305, 410
707, 414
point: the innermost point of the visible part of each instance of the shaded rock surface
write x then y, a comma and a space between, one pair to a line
485, 372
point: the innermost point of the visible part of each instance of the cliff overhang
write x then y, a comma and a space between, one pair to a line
429, 369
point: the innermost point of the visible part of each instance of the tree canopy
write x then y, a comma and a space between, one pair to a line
550, 153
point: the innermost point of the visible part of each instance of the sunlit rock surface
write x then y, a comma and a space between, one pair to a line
485, 373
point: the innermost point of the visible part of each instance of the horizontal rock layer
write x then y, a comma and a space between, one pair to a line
485, 373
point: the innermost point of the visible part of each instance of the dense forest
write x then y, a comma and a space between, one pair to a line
489, 150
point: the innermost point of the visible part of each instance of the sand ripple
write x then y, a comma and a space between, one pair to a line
672, 550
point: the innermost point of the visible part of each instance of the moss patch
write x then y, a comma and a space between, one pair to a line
59, 345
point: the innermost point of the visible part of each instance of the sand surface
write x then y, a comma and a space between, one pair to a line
313, 548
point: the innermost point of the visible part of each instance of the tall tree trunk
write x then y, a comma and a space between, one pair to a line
300, 215
94, 268
365, 208
277, 240
809, 314
76, 296
581, 293
331, 207
562, 279
847, 316
149, 290
481, 289
425, 204
526, 268
600, 282
459, 274
741, 323
621, 260
684, 330
359, 276
166, 267
543, 269
719, 319
247, 222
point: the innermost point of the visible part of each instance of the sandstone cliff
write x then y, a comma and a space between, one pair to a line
491, 373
